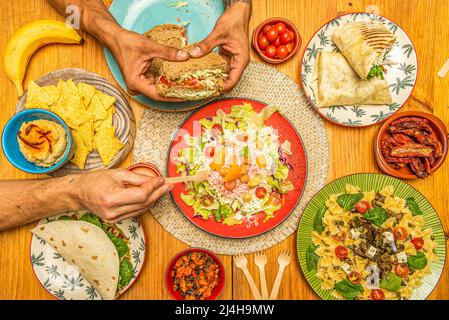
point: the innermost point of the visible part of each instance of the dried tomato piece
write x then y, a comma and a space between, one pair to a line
411, 150
409, 119
418, 168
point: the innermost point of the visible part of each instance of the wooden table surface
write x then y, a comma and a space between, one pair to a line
426, 22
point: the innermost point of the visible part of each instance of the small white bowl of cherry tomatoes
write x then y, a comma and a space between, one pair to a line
276, 40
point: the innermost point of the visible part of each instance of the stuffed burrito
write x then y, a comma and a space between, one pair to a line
99, 250
336, 83
364, 45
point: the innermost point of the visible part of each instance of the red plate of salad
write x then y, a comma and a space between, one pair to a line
256, 165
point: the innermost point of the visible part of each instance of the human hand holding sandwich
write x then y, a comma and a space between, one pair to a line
133, 52
231, 33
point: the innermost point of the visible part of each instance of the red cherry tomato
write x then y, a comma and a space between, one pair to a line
341, 252
261, 192
377, 294
230, 185
285, 38
280, 27
282, 52
291, 34
418, 243
289, 47
272, 34
339, 237
266, 28
362, 206
270, 51
277, 42
401, 270
209, 152
355, 277
400, 233
217, 129
263, 42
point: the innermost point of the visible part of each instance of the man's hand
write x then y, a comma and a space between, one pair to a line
119, 194
231, 33
134, 53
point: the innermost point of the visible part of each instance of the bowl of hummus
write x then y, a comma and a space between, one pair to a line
37, 141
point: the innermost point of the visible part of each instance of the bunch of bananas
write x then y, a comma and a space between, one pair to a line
27, 40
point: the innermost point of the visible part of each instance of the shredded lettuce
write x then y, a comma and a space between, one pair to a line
376, 71
281, 172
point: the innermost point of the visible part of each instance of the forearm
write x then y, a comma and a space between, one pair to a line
95, 18
24, 201
229, 3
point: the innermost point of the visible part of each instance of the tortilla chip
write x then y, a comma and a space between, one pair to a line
86, 92
107, 144
81, 151
37, 97
107, 100
97, 109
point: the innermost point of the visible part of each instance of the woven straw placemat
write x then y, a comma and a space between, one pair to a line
154, 136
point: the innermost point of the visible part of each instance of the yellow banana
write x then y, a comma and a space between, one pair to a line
25, 42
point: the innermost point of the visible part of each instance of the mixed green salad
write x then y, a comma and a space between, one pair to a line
248, 167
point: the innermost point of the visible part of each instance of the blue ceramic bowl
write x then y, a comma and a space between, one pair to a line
10, 144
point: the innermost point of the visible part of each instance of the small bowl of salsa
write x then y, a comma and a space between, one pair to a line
195, 274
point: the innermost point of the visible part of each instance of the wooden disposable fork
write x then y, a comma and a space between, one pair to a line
260, 259
199, 177
284, 259
241, 262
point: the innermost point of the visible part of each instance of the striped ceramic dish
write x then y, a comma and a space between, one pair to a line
368, 182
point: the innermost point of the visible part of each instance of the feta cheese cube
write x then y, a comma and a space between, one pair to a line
346, 268
388, 237
371, 252
355, 234
402, 257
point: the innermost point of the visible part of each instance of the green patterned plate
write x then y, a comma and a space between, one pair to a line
369, 182
401, 75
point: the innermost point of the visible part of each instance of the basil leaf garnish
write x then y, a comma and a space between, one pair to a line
348, 290
413, 206
318, 223
312, 258
417, 262
376, 216
348, 201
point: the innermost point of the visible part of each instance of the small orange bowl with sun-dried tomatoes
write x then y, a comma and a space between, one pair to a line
411, 145
195, 274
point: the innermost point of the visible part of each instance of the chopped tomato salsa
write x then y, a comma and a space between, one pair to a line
195, 276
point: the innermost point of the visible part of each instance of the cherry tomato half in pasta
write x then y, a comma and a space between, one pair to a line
377, 294
340, 237
355, 277
400, 233
362, 206
209, 152
341, 252
418, 242
401, 270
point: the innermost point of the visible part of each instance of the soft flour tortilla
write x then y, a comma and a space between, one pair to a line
87, 247
337, 84
364, 44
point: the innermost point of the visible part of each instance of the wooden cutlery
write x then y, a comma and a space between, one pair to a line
199, 177
260, 259
241, 262
284, 259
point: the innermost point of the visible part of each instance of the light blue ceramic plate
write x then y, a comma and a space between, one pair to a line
142, 15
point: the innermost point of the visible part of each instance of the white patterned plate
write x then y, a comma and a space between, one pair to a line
63, 280
401, 76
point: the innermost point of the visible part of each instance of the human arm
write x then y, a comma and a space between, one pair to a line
113, 195
133, 52
232, 34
